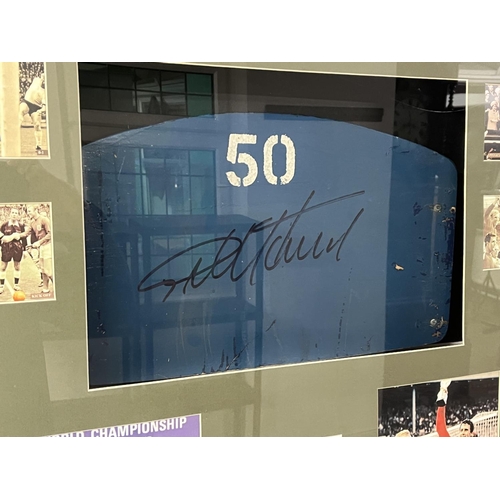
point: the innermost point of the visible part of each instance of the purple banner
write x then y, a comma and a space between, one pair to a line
188, 426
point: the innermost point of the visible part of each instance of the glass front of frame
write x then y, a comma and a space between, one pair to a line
238, 219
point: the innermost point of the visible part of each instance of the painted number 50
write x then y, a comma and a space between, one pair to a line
246, 159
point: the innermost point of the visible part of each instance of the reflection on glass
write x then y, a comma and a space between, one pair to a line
153, 153
203, 196
209, 248
94, 98
199, 105
149, 102
178, 194
93, 75
201, 162
121, 77
128, 186
122, 100
177, 161
147, 79
155, 92
156, 194
271, 234
173, 83
199, 84
173, 104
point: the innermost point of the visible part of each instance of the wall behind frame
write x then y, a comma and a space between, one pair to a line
43, 368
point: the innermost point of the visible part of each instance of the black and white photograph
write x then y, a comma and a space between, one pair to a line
26, 264
455, 407
23, 110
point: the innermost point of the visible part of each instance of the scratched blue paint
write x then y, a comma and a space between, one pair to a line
384, 286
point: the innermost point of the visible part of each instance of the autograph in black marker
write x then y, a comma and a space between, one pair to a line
284, 253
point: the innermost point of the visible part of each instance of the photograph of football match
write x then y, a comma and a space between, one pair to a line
26, 268
23, 110
456, 407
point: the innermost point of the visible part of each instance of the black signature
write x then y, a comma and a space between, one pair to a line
230, 260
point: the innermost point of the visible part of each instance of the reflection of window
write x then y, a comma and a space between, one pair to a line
120, 88
168, 245
153, 181
177, 182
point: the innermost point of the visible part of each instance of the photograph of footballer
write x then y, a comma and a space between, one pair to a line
23, 110
26, 268
456, 407
491, 122
491, 232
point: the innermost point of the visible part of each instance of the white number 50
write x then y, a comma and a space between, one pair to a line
246, 159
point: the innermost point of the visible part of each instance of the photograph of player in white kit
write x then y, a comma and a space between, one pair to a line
26, 253
23, 110
458, 407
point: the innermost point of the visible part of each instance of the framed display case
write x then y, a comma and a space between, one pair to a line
248, 249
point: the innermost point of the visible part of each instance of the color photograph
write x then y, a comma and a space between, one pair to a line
491, 122
26, 265
23, 110
456, 407
491, 232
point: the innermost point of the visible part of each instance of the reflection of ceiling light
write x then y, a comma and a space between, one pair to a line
459, 99
480, 72
175, 185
